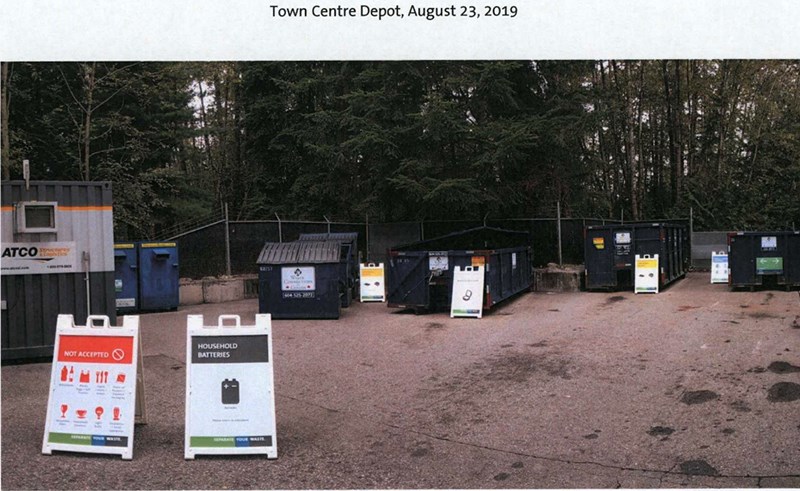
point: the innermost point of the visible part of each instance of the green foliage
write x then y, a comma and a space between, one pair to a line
419, 140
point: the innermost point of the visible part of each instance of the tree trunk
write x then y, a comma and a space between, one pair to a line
4, 107
89, 84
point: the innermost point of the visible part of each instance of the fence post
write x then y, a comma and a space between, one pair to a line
366, 258
329, 223
280, 232
558, 222
227, 243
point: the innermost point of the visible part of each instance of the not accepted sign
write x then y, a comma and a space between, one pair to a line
96, 349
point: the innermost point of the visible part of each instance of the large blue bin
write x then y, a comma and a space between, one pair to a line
126, 277
158, 276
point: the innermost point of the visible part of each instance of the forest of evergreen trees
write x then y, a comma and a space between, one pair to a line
416, 140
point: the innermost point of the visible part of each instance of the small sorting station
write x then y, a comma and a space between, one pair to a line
419, 276
611, 252
57, 258
758, 259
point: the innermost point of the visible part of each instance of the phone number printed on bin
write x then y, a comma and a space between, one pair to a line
396, 12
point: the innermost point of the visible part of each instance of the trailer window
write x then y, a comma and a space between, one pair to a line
36, 217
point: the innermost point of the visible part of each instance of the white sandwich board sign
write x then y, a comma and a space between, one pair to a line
372, 287
467, 297
93, 387
646, 274
719, 267
230, 396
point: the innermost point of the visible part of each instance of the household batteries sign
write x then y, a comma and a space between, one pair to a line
230, 399
646, 274
373, 286
719, 267
467, 298
93, 386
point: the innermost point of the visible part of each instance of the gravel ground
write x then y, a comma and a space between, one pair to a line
695, 386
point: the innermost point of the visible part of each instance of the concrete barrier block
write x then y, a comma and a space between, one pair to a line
558, 279
219, 291
191, 293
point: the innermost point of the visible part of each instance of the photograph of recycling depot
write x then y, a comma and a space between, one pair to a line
497, 274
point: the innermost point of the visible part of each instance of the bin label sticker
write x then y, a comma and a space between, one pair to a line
622, 238
513, 260
437, 261
769, 265
297, 278
117, 285
599, 243
39, 258
467, 296
719, 267
646, 274
230, 399
93, 388
126, 302
478, 260
372, 284
769, 243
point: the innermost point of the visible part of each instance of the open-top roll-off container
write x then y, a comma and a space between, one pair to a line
610, 253
419, 276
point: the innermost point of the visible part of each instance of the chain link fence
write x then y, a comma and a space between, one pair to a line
233, 246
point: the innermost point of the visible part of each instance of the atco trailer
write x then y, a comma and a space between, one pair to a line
57, 258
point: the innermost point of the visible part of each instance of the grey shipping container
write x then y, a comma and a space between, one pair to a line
764, 258
420, 275
348, 257
610, 252
299, 280
57, 258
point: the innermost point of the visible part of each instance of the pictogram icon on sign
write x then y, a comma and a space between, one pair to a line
118, 354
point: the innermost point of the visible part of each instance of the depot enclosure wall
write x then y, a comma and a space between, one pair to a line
31, 302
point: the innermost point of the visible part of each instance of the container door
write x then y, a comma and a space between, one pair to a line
158, 279
407, 280
793, 253
599, 251
126, 277
742, 260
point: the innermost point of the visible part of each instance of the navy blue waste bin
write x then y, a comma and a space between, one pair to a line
764, 259
419, 276
300, 280
126, 277
158, 276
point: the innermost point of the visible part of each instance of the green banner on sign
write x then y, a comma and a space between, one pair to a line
767, 265
212, 441
69, 438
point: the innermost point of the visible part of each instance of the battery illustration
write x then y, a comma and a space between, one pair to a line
230, 391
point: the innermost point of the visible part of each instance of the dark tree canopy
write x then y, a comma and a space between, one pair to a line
417, 139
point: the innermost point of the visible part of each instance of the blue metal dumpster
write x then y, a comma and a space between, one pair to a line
299, 280
158, 276
349, 260
419, 276
126, 277
764, 259
610, 251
